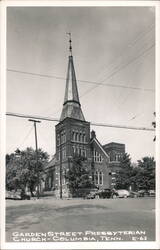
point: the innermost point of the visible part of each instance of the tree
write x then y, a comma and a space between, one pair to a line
146, 178
140, 177
22, 169
123, 179
78, 175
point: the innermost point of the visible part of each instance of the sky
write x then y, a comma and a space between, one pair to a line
111, 45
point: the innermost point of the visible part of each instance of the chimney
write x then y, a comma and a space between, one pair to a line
93, 134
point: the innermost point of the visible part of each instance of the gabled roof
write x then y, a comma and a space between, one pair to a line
99, 145
71, 106
51, 163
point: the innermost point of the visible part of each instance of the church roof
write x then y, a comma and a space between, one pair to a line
71, 105
71, 91
100, 146
51, 163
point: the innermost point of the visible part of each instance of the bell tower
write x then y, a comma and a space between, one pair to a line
72, 132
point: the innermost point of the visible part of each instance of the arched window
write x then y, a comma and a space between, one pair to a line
58, 140
93, 177
98, 155
63, 153
76, 136
76, 150
96, 178
100, 158
84, 152
73, 148
100, 178
117, 157
73, 136
94, 154
79, 137
64, 136
61, 137
58, 155
82, 137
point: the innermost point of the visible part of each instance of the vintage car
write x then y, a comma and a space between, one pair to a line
17, 195
152, 193
143, 193
133, 194
103, 193
123, 193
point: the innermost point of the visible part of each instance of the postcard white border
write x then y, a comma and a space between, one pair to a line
74, 245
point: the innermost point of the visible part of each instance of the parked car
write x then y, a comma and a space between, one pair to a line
9, 195
91, 195
25, 196
104, 193
152, 193
107, 193
122, 193
133, 194
17, 195
143, 193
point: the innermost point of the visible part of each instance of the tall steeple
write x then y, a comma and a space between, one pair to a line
71, 105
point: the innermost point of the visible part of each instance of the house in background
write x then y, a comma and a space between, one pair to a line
73, 137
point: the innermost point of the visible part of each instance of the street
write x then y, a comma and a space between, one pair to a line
76, 215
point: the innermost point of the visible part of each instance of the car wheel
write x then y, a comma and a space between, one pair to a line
114, 196
125, 196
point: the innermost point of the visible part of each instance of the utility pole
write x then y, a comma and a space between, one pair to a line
36, 143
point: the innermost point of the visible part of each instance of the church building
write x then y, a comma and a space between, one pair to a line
73, 137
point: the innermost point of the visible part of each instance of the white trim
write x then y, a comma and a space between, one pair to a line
94, 139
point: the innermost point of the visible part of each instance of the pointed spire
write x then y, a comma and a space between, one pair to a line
70, 43
71, 92
71, 106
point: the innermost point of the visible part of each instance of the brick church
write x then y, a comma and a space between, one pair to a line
73, 137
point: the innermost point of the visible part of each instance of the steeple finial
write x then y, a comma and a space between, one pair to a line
71, 105
70, 43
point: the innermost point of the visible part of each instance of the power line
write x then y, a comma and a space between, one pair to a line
130, 45
121, 126
119, 104
135, 116
83, 81
122, 60
123, 66
32, 117
122, 57
25, 138
36, 74
131, 61
92, 123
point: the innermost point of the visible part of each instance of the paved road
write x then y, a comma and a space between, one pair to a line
50, 215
